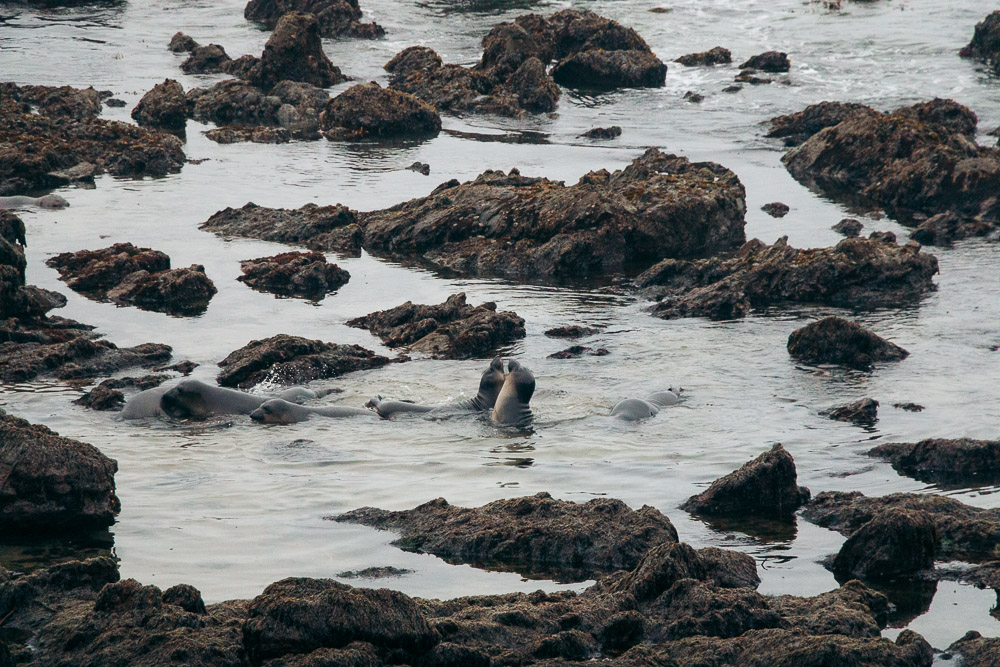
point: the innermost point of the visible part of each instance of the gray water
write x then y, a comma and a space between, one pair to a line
230, 506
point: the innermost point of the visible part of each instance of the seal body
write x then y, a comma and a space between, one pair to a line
145, 404
194, 399
279, 411
490, 385
512, 407
20, 201
634, 409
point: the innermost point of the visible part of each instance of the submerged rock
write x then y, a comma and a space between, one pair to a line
985, 44
163, 106
775, 209
577, 351
257, 135
573, 331
289, 360
536, 535
766, 485
368, 110
834, 340
304, 274
976, 650
329, 228
864, 412
336, 18
52, 484
449, 330
856, 273
714, 56
942, 460
895, 543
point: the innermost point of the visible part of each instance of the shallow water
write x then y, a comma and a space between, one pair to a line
230, 507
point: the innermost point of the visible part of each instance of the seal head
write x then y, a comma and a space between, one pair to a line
512, 404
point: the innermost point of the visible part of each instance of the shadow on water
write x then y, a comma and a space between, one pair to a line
521, 137
761, 529
488, 7
26, 554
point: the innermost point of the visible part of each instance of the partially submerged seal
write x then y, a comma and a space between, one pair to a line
194, 399
490, 385
512, 408
46, 201
280, 411
634, 409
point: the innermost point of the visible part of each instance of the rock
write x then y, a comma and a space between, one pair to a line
797, 127
769, 61
863, 412
856, 273
603, 132
775, 209
420, 168
328, 228
67, 352
834, 340
659, 206
985, 44
450, 330
301, 106
601, 69
233, 102
766, 485
536, 535
576, 351
304, 274
182, 367
368, 110
388, 572
849, 227
412, 59
290, 360
175, 291
574, 331
529, 88
114, 102
693, 97
974, 649
94, 272
257, 135
729, 569
943, 461
107, 395
207, 59
65, 133
52, 484
944, 229
715, 56
78, 173
418, 71
909, 407
336, 18
297, 616
895, 543
732, 89
294, 52
181, 43
186, 597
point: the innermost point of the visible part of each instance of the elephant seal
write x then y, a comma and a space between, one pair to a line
280, 411
634, 409
511, 408
194, 399
20, 201
489, 388
145, 404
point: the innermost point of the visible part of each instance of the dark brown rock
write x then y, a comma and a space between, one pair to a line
729, 569
67, 351
849, 227
186, 597
864, 412
597, 68
328, 228
577, 351
66, 102
941, 460
574, 331
856, 273
233, 102
603, 132
304, 274
94, 272
693, 97
336, 18
766, 485
207, 59
769, 61
257, 135
834, 340
293, 360
895, 543
181, 43
175, 291
797, 127
714, 56
449, 330
944, 229
775, 209
529, 88
976, 650
108, 396
163, 106
293, 53
51, 483
985, 44
368, 110
536, 535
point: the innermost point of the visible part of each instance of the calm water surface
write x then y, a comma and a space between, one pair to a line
231, 507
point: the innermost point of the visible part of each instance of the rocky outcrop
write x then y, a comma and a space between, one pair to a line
797, 127
449, 330
863, 412
577, 351
714, 56
834, 340
108, 395
894, 544
764, 486
368, 110
849, 227
52, 484
572, 331
303, 274
775, 209
336, 18
536, 535
208, 59
141, 277
289, 360
976, 650
603, 132
770, 61
233, 102
985, 44
181, 43
294, 52
65, 132
856, 273
163, 106
328, 228
597, 68
258, 135
659, 206
943, 461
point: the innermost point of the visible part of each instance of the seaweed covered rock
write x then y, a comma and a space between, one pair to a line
67, 350
94, 272
285, 359
834, 340
536, 535
597, 68
943, 460
53, 484
36, 149
856, 273
797, 127
714, 56
258, 135
181, 43
336, 18
329, 228
769, 61
163, 106
294, 52
976, 650
849, 227
233, 102
895, 543
862, 412
985, 44
208, 59
659, 206
304, 274
764, 486
449, 330
108, 396
368, 110
184, 291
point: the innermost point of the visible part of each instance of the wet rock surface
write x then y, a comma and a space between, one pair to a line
303, 274
208, 59
943, 460
534, 535
775, 209
181, 43
328, 228
659, 206
764, 486
714, 56
849, 227
603, 132
894, 544
597, 68
577, 351
256, 135
856, 273
976, 650
336, 18
294, 52
290, 360
163, 106
368, 110
108, 395
985, 44
52, 483
572, 331
834, 340
862, 412
769, 61
797, 127
449, 330
65, 133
